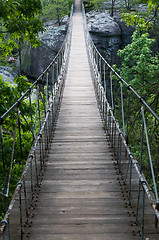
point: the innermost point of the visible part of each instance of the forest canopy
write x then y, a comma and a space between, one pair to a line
19, 22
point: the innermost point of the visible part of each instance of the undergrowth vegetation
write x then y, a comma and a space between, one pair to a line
23, 121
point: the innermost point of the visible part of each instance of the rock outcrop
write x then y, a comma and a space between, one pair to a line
103, 24
7, 74
109, 34
35, 60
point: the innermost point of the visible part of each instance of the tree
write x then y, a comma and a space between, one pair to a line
129, 4
100, 4
10, 94
146, 22
60, 8
57, 8
112, 8
139, 67
96, 3
18, 23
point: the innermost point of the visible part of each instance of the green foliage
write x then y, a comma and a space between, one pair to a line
138, 62
55, 9
143, 20
19, 20
22, 84
140, 69
134, 19
96, 3
129, 4
6, 91
10, 94
93, 4
150, 2
30, 114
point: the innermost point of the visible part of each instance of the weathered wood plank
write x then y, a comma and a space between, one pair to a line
81, 236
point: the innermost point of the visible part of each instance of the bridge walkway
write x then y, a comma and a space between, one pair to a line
80, 196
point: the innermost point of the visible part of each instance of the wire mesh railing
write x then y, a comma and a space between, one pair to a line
29, 123
132, 127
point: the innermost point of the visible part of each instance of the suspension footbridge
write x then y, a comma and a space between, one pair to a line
81, 181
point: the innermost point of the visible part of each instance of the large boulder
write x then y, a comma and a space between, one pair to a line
35, 60
105, 33
102, 24
7, 74
109, 34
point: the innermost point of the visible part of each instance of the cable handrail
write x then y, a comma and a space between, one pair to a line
2, 118
123, 81
47, 98
111, 97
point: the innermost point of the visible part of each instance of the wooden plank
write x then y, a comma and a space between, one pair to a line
83, 228
81, 236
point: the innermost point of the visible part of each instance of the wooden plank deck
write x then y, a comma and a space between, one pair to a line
80, 197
